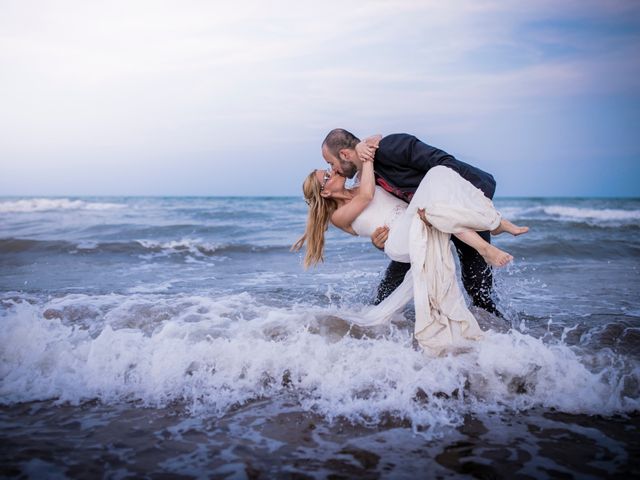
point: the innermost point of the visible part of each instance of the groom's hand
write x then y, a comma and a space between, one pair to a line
423, 217
379, 237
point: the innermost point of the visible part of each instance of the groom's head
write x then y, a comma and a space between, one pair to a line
339, 151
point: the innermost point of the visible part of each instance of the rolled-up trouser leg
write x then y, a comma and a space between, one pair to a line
393, 276
477, 276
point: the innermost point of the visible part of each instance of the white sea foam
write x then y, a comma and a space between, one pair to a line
215, 353
47, 204
606, 214
194, 246
518, 213
593, 216
151, 287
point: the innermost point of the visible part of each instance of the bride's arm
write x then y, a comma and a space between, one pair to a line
344, 216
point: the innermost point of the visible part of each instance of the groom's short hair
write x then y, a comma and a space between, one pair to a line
339, 138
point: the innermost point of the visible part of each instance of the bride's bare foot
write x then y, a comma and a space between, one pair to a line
507, 226
495, 257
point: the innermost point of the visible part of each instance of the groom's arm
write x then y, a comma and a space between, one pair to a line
410, 152
406, 150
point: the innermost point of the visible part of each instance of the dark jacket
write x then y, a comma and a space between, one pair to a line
402, 160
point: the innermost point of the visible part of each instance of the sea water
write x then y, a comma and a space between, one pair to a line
180, 336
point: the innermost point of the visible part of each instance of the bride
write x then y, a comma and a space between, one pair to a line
419, 233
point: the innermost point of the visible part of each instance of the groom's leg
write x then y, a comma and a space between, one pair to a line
393, 277
477, 277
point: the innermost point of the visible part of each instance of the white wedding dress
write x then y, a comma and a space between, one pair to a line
452, 205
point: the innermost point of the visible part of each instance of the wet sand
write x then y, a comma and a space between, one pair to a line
274, 438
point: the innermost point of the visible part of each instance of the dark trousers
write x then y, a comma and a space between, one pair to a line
477, 277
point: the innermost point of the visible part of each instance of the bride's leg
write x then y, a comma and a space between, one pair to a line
492, 255
507, 226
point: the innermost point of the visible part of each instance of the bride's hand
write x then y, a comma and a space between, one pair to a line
373, 140
366, 151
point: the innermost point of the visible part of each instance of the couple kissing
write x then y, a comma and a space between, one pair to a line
412, 200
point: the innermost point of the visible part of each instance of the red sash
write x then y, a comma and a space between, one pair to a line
395, 191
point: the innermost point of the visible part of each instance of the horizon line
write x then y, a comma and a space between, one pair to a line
38, 196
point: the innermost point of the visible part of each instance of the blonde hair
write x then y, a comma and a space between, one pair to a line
320, 211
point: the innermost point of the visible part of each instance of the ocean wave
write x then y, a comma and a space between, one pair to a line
185, 246
605, 214
573, 248
47, 204
607, 217
198, 247
212, 354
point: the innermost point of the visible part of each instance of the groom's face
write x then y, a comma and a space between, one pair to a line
344, 165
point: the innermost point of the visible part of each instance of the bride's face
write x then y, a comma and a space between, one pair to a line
330, 181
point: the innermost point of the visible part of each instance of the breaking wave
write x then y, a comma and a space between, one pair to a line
185, 246
48, 204
605, 217
212, 354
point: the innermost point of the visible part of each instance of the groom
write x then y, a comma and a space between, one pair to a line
401, 162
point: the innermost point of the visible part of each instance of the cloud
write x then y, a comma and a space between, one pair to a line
166, 79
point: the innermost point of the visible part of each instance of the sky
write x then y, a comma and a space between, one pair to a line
234, 98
